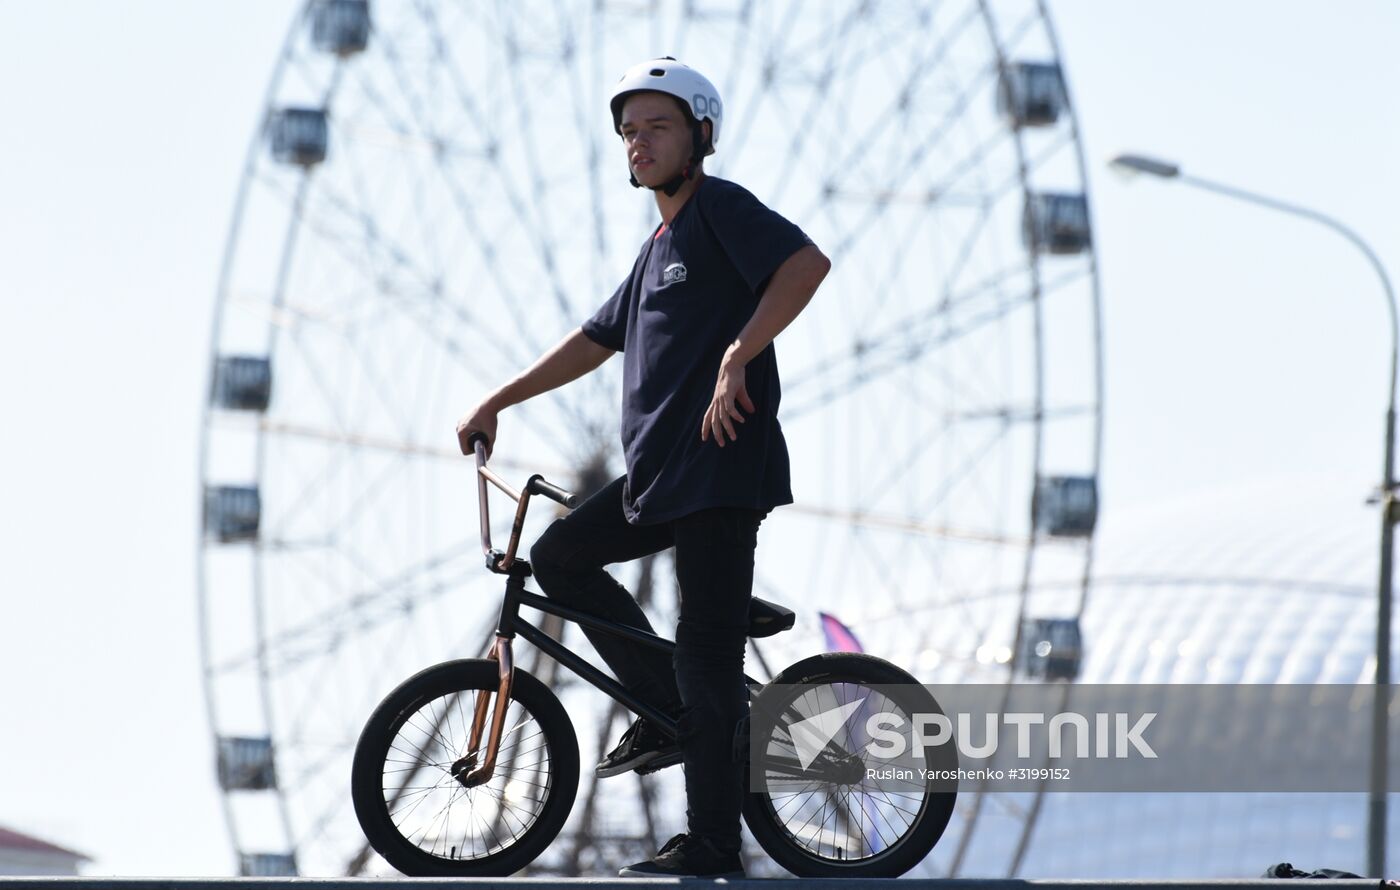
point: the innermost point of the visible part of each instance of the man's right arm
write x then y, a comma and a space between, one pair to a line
570, 359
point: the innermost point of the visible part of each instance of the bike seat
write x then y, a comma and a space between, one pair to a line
766, 619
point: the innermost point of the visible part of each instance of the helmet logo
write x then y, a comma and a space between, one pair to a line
705, 106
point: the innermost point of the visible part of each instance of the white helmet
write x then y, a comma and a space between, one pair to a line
666, 75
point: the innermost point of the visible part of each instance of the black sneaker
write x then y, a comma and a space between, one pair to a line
641, 746
688, 856
660, 762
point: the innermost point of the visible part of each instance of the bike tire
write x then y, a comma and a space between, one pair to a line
928, 825
376, 750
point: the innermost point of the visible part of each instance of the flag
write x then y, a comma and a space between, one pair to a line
838, 636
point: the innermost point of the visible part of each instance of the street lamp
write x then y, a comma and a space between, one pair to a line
1376, 827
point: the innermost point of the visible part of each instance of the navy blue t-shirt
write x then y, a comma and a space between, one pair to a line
692, 289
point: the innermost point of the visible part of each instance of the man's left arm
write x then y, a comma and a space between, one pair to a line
787, 294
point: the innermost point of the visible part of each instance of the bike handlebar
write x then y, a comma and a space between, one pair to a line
497, 561
538, 485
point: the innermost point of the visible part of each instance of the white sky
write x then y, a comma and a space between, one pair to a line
1241, 345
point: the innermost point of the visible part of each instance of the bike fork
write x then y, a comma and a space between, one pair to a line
501, 654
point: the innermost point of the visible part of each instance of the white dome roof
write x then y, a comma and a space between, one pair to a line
1271, 582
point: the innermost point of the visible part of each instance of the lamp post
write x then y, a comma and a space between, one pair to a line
1380, 729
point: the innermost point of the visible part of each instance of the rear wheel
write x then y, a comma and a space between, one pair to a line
407, 782
827, 818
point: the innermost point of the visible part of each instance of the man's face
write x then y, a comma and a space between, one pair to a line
656, 135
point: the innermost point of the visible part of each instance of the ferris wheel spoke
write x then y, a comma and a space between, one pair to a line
1018, 32
867, 374
940, 423
798, 142
973, 160
435, 332
373, 443
581, 104
880, 118
1013, 183
965, 596
430, 300
881, 569
336, 806
888, 288
878, 202
529, 226
832, 36
920, 144
908, 329
969, 463
959, 391
738, 49
1007, 806
464, 206
897, 467
303, 773
392, 468
328, 643
853, 234
965, 250
857, 517
977, 628
745, 126
321, 828
920, 342
902, 328
951, 594
428, 232
393, 410
1013, 414
1057, 144
889, 33
486, 335
771, 63
426, 291
360, 607
540, 222
277, 538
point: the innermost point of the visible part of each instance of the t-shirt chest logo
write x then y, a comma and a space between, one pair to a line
673, 273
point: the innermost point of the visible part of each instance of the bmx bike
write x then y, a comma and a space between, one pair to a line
470, 767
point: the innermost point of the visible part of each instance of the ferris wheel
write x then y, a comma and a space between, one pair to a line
434, 198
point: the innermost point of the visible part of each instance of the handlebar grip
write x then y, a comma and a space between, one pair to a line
537, 485
472, 440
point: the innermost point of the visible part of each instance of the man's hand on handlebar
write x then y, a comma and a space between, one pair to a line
481, 419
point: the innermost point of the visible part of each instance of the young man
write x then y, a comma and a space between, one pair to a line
706, 459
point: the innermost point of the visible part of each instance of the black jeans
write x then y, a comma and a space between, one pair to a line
704, 684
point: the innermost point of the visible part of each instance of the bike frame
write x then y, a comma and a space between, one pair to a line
511, 623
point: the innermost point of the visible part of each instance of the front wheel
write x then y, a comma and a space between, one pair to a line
818, 814
408, 780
